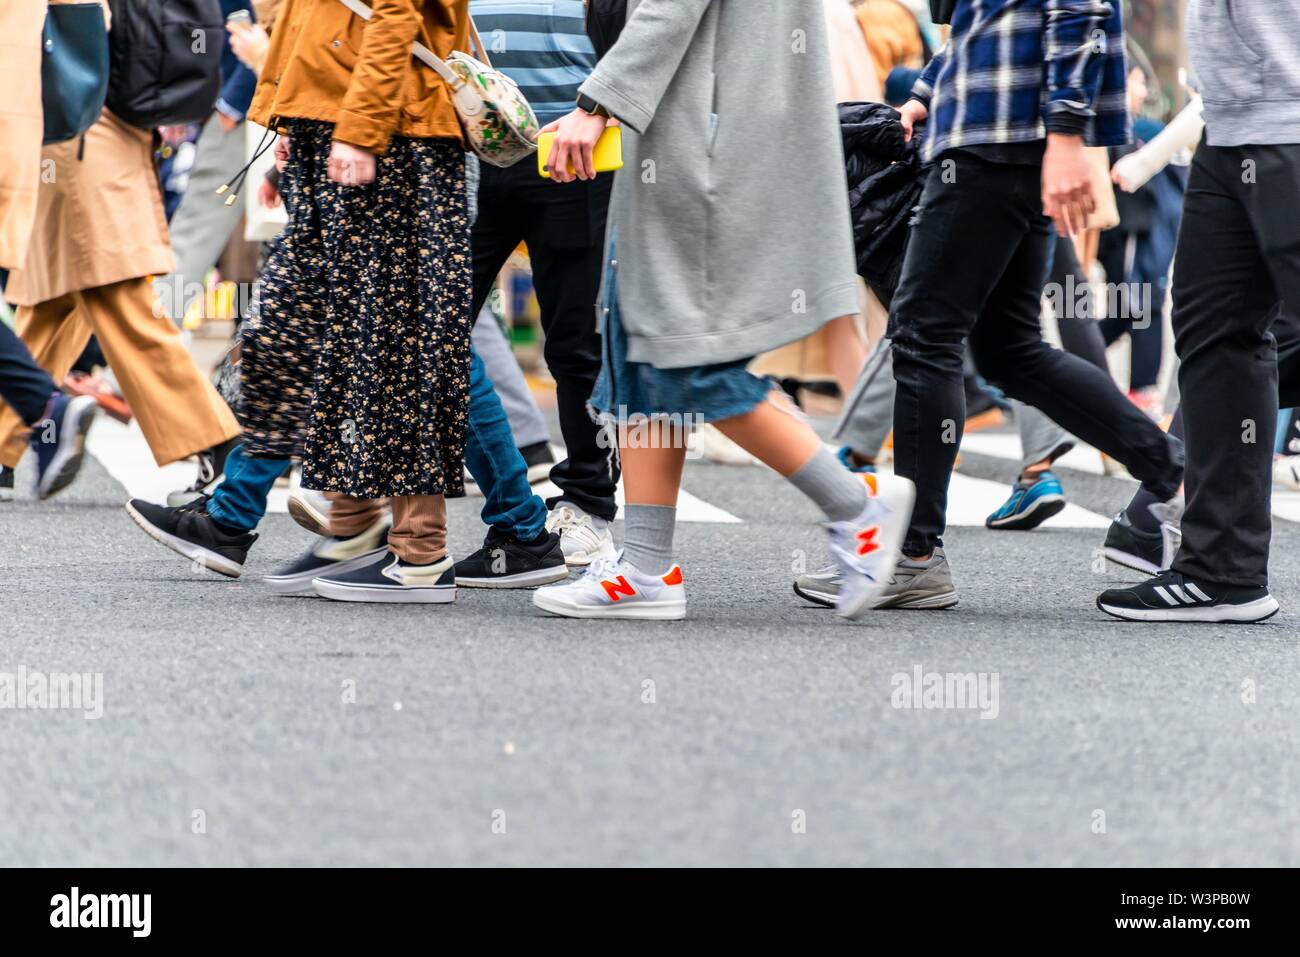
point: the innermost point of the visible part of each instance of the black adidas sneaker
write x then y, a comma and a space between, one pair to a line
1128, 545
505, 562
1172, 597
190, 531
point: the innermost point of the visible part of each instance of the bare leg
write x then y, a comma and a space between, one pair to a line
652, 476
776, 437
848, 352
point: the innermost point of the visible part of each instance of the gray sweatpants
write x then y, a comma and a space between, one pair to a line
869, 415
202, 223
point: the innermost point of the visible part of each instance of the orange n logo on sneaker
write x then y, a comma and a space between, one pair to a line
867, 540
616, 590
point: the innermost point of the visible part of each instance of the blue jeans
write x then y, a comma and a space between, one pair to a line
240, 499
491, 456
494, 460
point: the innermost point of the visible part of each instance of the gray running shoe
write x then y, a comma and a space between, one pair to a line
913, 584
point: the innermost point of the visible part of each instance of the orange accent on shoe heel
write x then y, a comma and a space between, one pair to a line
870, 479
674, 577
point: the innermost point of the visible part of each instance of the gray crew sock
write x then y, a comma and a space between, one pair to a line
839, 493
648, 537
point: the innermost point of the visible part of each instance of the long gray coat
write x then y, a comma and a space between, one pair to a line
731, 213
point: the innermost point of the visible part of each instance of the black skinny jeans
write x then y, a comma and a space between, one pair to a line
975, 267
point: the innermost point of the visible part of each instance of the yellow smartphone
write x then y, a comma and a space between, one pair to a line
608, 154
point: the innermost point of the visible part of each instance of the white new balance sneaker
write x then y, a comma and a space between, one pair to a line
611, 588
580, 539
867, 548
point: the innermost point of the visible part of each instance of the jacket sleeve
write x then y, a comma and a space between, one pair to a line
1074, 47
633, 76
237, 92
369, 112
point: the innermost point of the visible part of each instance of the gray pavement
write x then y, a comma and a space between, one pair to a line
770, 738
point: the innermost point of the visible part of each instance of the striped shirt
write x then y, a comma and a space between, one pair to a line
540, 44
1015, 70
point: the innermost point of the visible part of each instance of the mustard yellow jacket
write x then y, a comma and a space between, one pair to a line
326, 63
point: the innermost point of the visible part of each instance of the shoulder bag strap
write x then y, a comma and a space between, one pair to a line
418, 49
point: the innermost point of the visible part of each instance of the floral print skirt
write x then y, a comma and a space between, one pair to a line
356, 355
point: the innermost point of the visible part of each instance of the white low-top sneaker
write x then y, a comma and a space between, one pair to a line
310, 509
580, 539
867, 548
611, 588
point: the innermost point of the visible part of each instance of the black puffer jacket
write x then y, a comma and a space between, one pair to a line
885, 180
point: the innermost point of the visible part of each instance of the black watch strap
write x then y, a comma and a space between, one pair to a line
588, 105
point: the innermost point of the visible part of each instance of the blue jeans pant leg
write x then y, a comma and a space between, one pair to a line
240, 499
493, 459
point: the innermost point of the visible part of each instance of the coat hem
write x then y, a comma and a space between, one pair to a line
712, 347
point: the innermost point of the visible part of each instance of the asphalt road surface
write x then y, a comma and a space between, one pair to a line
239, 728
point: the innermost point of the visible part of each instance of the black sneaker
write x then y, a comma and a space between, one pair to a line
190, 531
505, 562
332, 556
539, 458
1128, 545
6, 484
212, 468
389, 579
1172, 597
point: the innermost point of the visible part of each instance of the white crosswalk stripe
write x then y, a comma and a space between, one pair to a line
123, 452
1084, 458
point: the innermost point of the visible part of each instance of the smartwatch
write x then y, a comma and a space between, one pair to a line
591, 107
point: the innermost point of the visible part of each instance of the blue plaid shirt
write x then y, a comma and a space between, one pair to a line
1015, 70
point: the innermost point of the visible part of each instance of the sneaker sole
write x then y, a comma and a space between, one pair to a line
824, 599
67, 460
902, 496
383, 594
301, 584
642, 611
195, 553
904, 602
1129, 560
1043, 509
531, 579
1258, 610
896, 603
308, 517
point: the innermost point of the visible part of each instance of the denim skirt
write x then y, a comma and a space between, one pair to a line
697, 394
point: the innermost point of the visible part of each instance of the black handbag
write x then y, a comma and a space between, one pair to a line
941, 10
605, 19
165, 61
74, 69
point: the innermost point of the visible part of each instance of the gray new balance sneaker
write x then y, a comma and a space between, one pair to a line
913, 584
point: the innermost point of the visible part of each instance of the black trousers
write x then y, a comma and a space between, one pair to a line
975, 267
564, 227
1238, 263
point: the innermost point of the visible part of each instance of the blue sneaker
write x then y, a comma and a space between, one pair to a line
1031, 503
59, 441
844, 456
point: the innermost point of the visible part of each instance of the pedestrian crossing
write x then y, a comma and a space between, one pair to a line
123, 452
1084, 458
